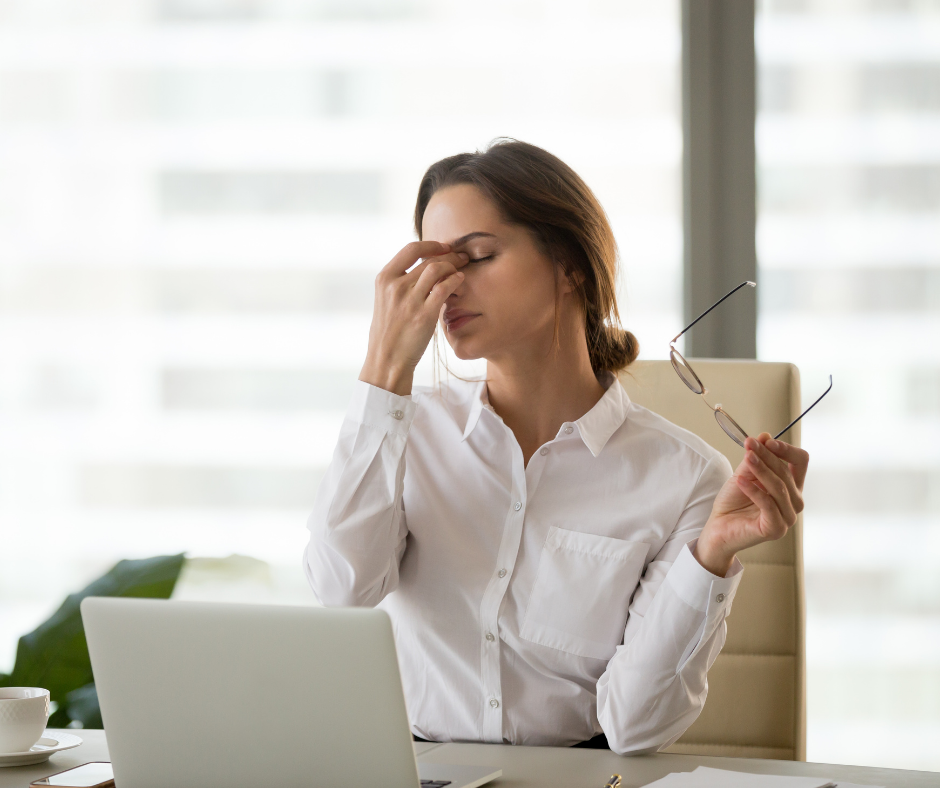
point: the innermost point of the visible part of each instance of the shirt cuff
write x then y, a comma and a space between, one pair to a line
698, 587
380, 408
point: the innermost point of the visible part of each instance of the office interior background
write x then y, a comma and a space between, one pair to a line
195, 196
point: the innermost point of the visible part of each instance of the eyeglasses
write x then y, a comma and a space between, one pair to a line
682, 367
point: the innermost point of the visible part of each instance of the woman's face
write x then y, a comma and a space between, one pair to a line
506, 303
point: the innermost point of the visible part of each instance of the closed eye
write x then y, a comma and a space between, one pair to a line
482, 259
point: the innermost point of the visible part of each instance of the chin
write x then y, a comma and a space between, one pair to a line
465, 349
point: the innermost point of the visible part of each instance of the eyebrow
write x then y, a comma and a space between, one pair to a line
469, 237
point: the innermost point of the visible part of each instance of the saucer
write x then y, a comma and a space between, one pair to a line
48, 745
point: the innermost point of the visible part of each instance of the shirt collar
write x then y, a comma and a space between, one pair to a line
604, 419
595, 427
477, 403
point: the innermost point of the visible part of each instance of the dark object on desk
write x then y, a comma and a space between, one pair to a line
55, 654
599, 742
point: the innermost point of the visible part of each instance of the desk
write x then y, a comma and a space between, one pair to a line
545, 767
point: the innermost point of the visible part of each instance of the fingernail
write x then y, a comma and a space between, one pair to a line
463, 256
460, 274
752, 458
773, 445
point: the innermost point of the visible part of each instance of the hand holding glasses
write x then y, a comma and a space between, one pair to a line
688, 376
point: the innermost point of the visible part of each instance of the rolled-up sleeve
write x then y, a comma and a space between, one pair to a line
358, 527
655, 685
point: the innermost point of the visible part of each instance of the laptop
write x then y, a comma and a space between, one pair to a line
237, 696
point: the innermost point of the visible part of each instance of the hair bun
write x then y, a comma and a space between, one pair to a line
614, 349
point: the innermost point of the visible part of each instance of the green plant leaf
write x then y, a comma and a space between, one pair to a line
83, 706
55, 654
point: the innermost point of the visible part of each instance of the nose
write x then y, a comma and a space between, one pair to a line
453, 296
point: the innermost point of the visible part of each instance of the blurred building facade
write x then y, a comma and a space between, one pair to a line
195, 198
848, 145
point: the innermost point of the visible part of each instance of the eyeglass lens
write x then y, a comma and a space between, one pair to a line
730, 426
685, 372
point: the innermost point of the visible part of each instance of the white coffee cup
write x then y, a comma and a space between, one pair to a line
24, 712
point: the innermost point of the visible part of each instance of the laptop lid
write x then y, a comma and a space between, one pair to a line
237, 696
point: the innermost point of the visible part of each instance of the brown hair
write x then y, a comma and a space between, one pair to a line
537, 190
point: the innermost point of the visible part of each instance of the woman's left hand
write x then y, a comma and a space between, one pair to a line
758, 503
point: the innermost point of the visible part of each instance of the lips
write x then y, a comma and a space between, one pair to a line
455, 318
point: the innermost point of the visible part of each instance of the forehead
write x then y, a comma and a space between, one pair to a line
455, 211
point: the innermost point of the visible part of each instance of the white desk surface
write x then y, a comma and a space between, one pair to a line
545, 767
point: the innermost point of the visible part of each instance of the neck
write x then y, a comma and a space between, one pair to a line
537, 389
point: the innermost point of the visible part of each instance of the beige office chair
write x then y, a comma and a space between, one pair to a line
756, 706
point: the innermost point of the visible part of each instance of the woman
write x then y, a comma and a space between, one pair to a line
557, 562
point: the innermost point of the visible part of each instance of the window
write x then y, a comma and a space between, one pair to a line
195, 197
849, 263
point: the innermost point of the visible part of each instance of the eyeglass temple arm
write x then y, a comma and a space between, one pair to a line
743, 284
805, 411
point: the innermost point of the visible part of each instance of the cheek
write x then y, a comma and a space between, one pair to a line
513, 295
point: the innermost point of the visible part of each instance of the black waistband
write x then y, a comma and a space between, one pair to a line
599, 742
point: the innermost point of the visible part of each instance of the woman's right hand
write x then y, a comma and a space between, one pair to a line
407, 306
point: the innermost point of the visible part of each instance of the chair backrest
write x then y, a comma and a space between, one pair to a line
756, 704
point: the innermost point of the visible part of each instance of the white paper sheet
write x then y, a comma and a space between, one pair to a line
704, 777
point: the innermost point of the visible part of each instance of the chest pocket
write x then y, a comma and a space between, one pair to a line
582, 592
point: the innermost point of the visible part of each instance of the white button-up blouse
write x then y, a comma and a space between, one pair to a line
532, 604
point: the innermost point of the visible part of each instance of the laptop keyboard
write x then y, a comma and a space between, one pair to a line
434, 783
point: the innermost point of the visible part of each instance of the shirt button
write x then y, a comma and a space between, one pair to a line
396, 414
494, 703
543, 451
720, 598
569, 429
517, 505
490, 637
502, 573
